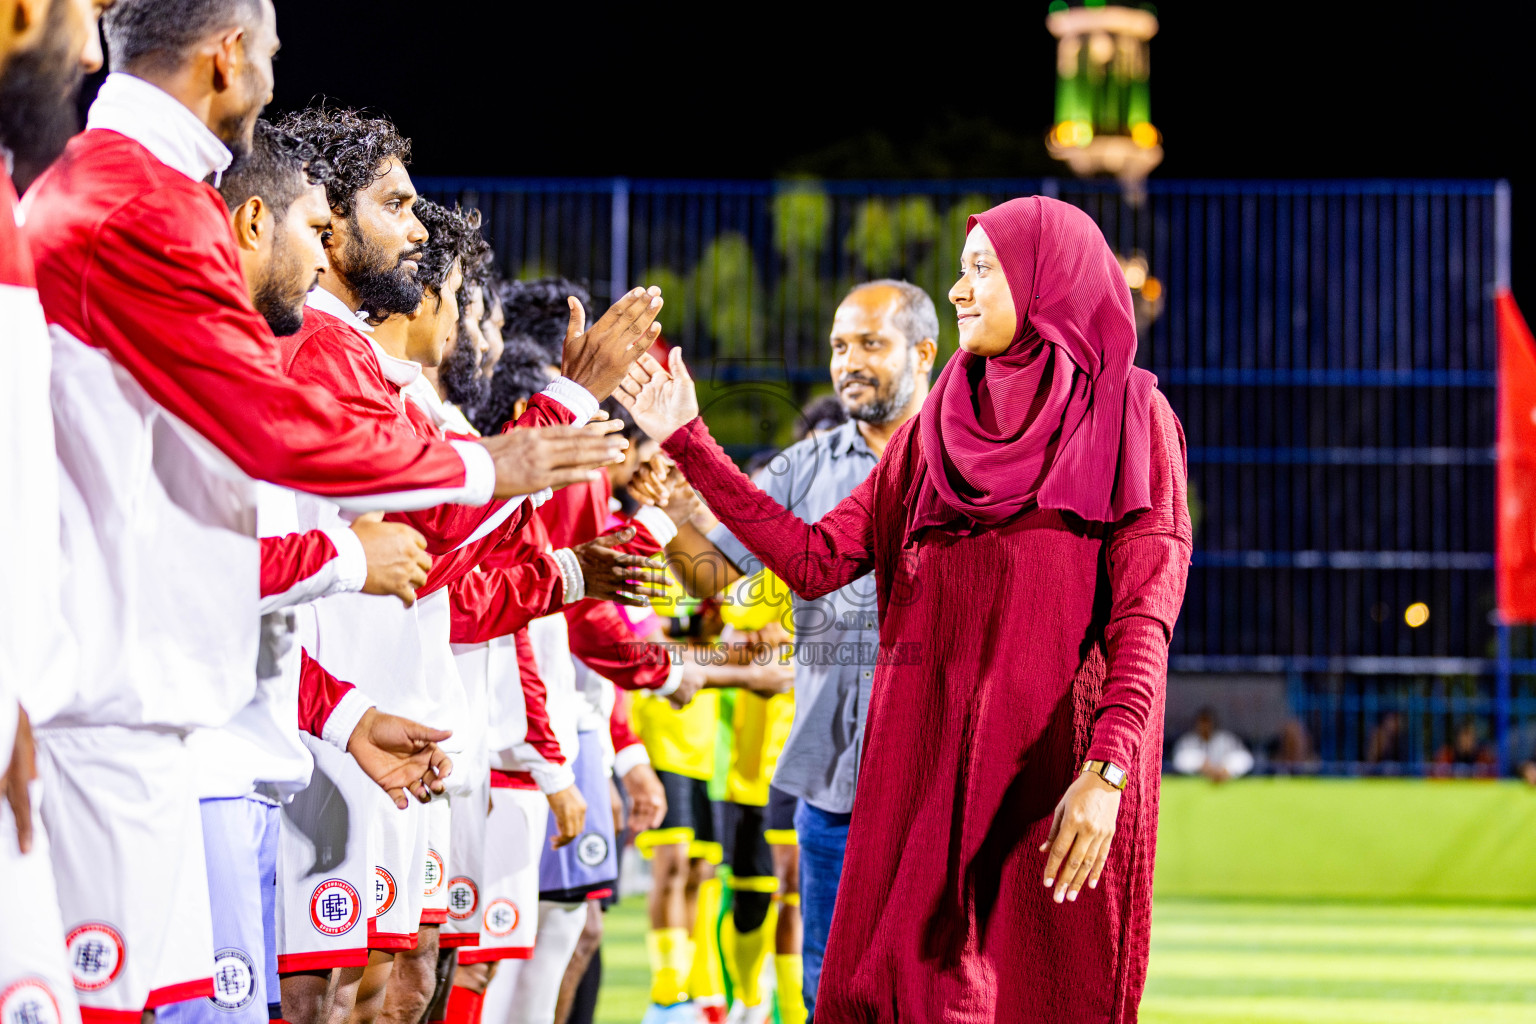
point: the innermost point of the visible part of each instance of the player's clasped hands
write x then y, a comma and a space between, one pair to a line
397, 557
614, 575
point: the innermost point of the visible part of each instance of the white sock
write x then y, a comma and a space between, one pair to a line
538, 984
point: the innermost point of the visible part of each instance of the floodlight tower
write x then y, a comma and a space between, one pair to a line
1103, 99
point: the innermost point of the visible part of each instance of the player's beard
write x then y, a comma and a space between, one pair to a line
891, 399
382, 285
276, 295
461, 376
37, 99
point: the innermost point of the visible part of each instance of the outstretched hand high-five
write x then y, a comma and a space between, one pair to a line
661, 401
596, 358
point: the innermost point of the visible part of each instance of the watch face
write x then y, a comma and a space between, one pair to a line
1114, 775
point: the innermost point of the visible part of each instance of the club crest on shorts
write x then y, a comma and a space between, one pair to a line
433, 874
29, 1001
383, 891
234, 979
501, 917
463, 898
334, 907
592, 849
96, 954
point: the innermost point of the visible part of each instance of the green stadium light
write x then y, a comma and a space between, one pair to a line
1103, 119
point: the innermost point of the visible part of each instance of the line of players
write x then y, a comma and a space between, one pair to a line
425, 511
240, 495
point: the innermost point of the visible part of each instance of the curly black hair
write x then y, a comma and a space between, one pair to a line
520, 375
357, 146
480, 272
278, 168
489, 277
537, 310
453, 237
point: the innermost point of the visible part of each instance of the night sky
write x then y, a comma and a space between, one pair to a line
1323, 90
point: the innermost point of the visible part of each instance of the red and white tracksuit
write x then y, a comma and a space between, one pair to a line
168, 404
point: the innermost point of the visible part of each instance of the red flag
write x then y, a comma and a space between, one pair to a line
1517, 464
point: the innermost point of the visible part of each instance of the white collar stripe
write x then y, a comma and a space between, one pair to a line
160, 123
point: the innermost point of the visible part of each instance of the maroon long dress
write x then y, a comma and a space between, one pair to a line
1009, 656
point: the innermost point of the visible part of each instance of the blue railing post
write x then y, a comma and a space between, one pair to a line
618, 251
1502, 699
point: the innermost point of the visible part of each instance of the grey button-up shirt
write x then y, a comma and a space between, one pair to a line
837, 637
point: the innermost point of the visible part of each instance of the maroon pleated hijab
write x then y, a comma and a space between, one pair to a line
1060, 419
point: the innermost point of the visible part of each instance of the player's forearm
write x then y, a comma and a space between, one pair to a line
701, 568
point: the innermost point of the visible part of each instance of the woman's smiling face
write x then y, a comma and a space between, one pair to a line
983, 303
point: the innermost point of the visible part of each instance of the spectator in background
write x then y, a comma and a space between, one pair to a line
1389, 742
1215, 753
1465, 751
1293, 753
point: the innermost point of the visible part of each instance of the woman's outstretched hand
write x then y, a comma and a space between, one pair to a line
1081, 832
661, 401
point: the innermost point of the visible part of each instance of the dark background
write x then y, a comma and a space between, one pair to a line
1251, 91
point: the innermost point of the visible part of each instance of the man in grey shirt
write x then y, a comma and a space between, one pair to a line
883, 350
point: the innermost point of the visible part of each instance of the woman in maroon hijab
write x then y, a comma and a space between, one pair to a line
1030, 542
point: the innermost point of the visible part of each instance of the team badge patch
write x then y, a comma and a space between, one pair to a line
432, 878
592, 849
96, 954
234, 978
501, 917
334, 907
383, 891
463, 898
29, 1001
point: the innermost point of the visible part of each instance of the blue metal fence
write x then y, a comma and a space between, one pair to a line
1329, 346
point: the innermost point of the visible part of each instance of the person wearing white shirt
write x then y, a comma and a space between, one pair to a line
1215, 753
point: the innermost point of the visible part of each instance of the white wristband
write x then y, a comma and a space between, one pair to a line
658, 523
629, 758
674, 680
581, 402
570, 575
344, 717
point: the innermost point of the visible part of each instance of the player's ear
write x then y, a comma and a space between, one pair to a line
927, 353
227, 54
252, 220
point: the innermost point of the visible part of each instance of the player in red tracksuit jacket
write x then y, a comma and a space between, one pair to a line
371, 198
44, 50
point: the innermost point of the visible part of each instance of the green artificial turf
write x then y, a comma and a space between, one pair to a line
1307, 901
1382, 840
1233, 962
626, 971
1243, 962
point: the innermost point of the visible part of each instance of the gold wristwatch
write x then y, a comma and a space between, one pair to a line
1108, 771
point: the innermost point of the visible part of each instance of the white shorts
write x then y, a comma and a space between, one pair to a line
127, 848
466, 874
324, 866
35, 986
397, 841
514, 834
240, 840
438, 817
